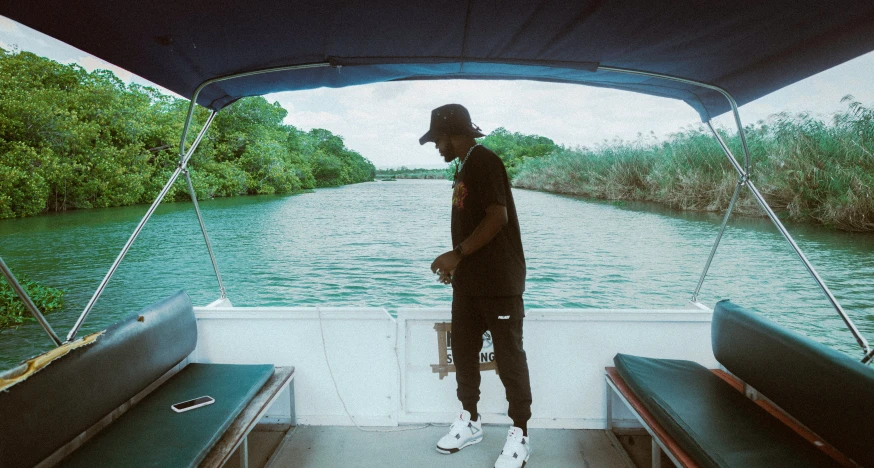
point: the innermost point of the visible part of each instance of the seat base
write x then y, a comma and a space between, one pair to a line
152, 434
710, 422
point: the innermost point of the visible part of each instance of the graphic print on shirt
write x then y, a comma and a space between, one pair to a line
458, 195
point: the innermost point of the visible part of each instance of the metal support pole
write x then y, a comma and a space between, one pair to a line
608, 413
136, 233
740, 171
184, 157
868, 356
782, 229
740, 183
205, 235
244, 453
16, 286
855, 331
187, 124
745, 174
656, 454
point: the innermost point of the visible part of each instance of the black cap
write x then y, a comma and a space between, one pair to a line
451, 119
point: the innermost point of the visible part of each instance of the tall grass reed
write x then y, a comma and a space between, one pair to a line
808, 170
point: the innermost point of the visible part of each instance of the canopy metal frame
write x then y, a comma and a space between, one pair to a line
743, 172
184, 157
744, 180
182, 167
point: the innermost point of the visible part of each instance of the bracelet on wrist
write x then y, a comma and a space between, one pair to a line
459, 250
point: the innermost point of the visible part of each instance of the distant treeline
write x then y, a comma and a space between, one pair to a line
808, 170
513, 149
70, 139
405, 173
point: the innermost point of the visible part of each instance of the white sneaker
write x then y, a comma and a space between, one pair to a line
462, 432
516, 451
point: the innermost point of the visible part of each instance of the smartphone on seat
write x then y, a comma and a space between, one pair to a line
188, 405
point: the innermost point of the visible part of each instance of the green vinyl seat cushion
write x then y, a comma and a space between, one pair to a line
151, 434
716, 425
826, 390
79, 388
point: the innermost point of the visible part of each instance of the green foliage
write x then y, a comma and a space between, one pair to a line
71, 139
12, 309
807, 169
515, 149
333, 164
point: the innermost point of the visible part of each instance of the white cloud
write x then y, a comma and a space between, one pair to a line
7, 26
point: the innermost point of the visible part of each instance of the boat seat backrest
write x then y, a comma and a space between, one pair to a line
54, 405
824, 389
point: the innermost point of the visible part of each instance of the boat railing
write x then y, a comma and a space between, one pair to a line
183, 161
744, 180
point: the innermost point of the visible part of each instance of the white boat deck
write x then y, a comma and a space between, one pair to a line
338, 446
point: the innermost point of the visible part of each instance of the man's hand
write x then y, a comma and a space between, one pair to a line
494, 221
444, 265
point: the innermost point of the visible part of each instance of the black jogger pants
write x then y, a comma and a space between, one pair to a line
502, 316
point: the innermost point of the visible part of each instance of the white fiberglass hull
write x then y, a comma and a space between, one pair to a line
387, 369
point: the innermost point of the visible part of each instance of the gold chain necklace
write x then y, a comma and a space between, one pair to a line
461, 163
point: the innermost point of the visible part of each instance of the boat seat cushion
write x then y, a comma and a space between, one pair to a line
151, 434
716, 425
78, 389
826, 390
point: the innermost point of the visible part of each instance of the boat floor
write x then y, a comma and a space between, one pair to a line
335, 446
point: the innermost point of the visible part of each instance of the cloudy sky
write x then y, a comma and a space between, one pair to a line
384, 121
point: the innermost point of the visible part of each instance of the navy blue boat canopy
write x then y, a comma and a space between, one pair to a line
748, 47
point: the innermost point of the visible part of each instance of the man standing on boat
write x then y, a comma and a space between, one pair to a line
487, 272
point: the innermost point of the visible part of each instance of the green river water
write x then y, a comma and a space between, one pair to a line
371, 245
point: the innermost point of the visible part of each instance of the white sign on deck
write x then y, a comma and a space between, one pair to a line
446, 363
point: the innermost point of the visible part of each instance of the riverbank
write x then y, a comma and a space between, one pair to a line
808, 170
70, 139
405, 173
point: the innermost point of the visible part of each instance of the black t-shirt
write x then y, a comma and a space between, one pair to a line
498, 268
